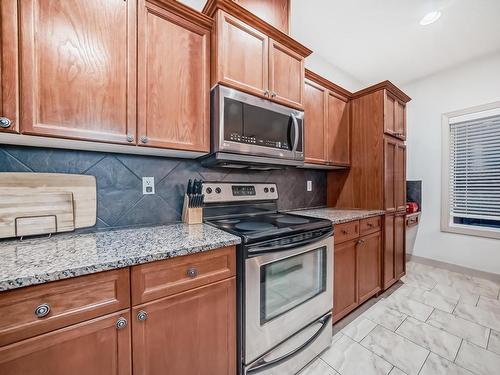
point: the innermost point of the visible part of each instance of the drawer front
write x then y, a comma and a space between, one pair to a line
160, 279
411, 220
346, 231
34, 310
370, 225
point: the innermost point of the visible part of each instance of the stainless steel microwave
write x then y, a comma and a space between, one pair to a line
251, 131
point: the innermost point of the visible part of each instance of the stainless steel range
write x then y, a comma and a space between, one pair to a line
285, 277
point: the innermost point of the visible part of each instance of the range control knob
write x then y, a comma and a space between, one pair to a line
218, 190
266, 190
272, 190
209, 190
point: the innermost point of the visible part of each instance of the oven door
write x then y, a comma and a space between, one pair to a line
286, 291
246, 124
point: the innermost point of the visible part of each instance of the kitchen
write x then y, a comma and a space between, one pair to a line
191, 188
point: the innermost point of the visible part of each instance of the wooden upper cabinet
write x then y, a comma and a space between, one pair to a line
400, 176
9, 74
193, 332
286, 75
394, 116
241, 57
338, 130
78, 73
390, 146
274, 12
93, 347
400, 120
173, 77
314, 123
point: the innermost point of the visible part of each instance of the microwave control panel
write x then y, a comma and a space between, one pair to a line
235, 137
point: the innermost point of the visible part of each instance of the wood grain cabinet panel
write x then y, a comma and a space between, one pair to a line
370, 225
173, 79
389, 111
286, 75
400, 120
369, 265
9, 67
390, 146
188, 333
344, 275
400, 177
338, 131
274, 12
93, 347
399, 245
389, 276
314, 123
70, 301
346, 231
242, 55
78, 65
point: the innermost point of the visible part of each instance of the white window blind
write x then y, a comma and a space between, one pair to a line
474, 188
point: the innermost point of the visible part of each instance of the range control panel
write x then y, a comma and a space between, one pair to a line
233, 192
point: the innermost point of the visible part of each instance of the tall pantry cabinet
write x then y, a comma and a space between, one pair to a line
377, 177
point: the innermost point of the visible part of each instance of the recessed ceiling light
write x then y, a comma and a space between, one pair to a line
430, 17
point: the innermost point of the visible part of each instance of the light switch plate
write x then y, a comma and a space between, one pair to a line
148, 185
309, 185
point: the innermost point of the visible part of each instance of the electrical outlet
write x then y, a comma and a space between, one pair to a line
148, 185
309, 185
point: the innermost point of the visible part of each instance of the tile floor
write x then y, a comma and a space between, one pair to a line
436, 322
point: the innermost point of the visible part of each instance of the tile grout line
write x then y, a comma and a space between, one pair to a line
423, 363
458, 351
93, 165
19, 161
488, 342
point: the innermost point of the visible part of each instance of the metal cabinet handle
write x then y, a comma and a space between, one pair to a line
144, 139
370, 225
273, 95
42, 310
130, 138
5, 122
361, 242
142, 315
121, 323
344, 231
266, 93
192, 272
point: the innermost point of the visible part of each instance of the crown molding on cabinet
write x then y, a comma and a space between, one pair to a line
338, 91
387, 85
185, 12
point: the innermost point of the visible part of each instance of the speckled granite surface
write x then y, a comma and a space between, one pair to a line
35, 261
338, 216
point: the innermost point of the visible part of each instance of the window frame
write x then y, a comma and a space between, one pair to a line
447, 224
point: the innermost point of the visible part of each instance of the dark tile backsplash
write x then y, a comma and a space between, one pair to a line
120, 202
414, 192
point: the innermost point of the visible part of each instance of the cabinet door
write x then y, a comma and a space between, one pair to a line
368, 254
187, 333
94, 347
389, 274
242, 56
339, 132
173, 80
399, 245
9, 74
274, 12
400, 120
400, 176
390, 146
389, 112
314, 123
78, 69
286, 75
344, 284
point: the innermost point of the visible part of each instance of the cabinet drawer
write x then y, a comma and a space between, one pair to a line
159, 279
346, 231
370, 225
69, 301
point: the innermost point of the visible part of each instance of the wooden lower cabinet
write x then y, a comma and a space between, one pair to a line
399, 245
357, 268
188, 333
96, 347
394, 248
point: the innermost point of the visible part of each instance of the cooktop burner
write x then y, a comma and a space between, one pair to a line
292, 220
254, 226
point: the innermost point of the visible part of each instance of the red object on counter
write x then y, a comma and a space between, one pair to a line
411, 207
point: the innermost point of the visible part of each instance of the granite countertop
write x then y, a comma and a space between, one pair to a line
338, 216
39, 260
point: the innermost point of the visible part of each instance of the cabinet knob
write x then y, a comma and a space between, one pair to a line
361, 242
144, 139
142, 315
273, 94
266, 93
5, 122
192, 272
42, 310
370, 225
130, 138
344, 231
121, 323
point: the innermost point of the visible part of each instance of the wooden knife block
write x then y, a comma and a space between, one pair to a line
191, 215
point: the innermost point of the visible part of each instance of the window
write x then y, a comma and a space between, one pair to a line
471, 171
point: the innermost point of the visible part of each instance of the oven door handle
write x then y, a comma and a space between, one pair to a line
259, 250
262, 365
296, 131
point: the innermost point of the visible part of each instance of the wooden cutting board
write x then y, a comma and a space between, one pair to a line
81, 187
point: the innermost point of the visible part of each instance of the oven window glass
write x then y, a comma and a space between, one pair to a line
288, 283
245, 123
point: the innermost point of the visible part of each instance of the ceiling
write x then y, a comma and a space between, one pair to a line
374, 40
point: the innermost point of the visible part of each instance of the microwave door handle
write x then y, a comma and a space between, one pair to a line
296, 131
262, 364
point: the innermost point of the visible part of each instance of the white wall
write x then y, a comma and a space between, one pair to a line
472, 84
